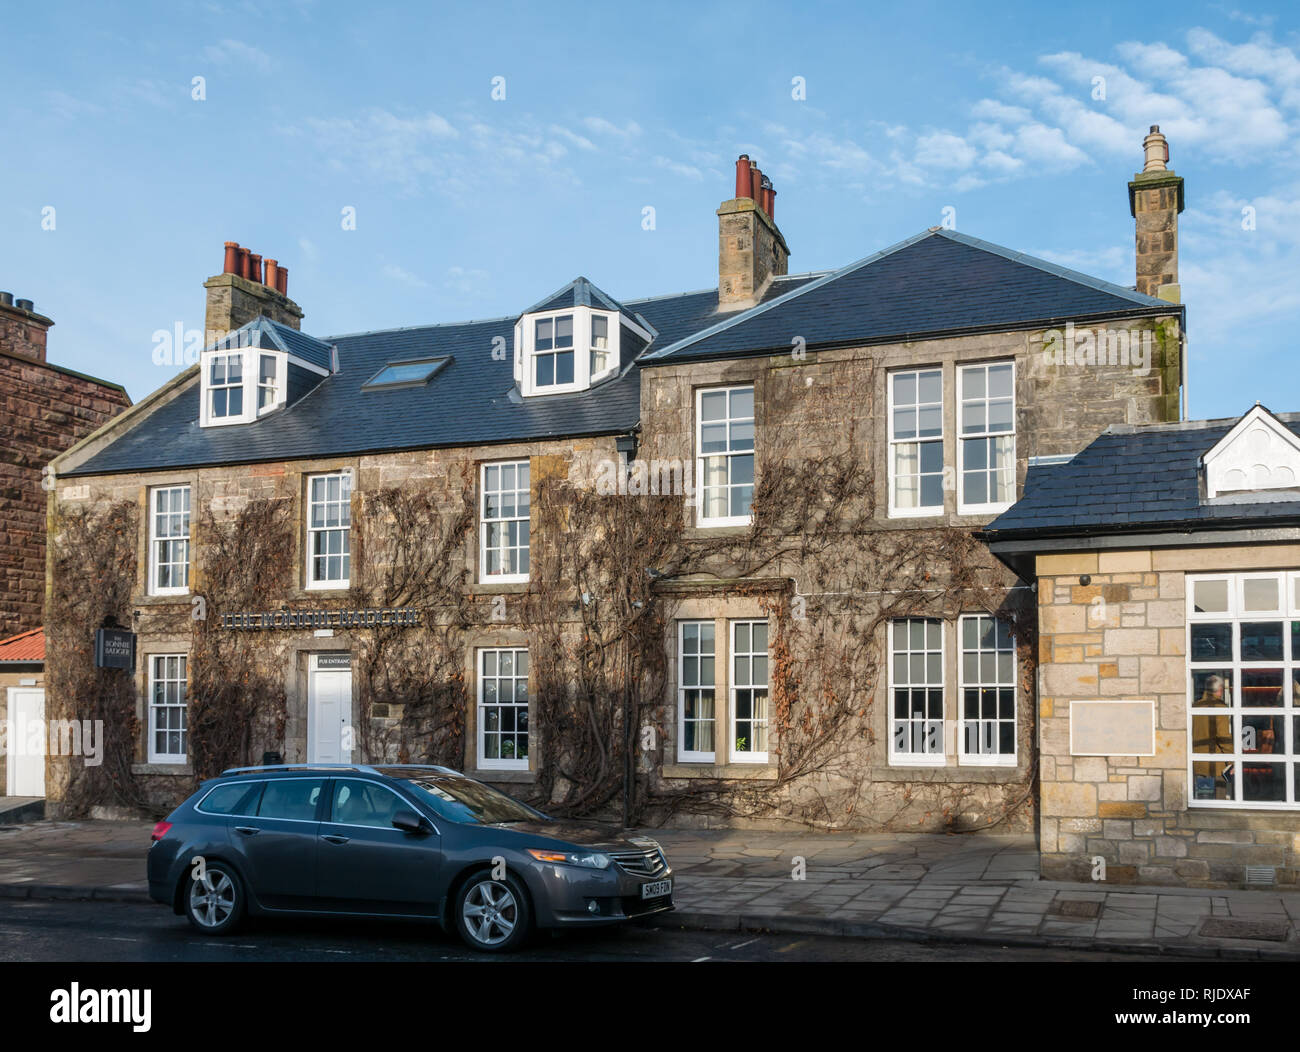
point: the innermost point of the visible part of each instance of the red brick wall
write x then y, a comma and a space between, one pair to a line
43, 411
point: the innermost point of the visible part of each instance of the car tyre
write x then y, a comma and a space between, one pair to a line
215, 904
493, 916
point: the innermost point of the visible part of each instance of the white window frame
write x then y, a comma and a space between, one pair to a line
328, 584
964, 755
988, 507
250, 385
155, 541
483, 522
925, 510
277, 387
734, 684
1287, 713
209, 388
914, 759
574, 350
583, 376
154, 681
685, 755
610, 348
498, 764
701, 501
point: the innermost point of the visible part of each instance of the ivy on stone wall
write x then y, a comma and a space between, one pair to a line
93, 561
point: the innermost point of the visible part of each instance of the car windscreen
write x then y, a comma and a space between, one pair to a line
464, 800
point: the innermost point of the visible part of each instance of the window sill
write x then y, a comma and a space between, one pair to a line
178, 769
327, 586
503, 774
977, 761
936, 512
927, 761
739, 771
503, 584
152, 599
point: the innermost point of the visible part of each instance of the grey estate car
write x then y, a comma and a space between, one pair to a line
399, 841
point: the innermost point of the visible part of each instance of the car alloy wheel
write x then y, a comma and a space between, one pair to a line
214, 901
492, 915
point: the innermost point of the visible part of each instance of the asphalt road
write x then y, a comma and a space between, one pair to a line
107, 932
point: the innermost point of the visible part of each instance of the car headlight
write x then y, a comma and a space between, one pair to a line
586, 859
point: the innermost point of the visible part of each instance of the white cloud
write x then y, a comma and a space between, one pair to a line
230, 52
404, 276
944, 150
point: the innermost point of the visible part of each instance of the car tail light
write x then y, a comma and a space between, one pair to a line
160, 831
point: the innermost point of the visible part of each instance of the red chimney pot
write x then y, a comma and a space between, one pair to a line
254, 267
743, 180
242, 268
272, 274
231, 265
283, 281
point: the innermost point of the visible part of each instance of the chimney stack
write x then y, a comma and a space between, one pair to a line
751, 250
22, 330
241, 292
1155, 198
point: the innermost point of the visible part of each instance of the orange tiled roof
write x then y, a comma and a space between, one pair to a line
26, 647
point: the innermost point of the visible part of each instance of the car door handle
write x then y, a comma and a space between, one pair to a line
247, 830
334, 838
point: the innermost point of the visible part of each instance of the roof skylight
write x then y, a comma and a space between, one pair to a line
414, 373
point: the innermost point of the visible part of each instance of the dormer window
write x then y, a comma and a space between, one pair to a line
240, 386
248, 373
226, 386
553, 351
599, 343
268, 383
574, 340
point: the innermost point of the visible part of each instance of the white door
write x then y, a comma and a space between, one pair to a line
26, 741
329, 709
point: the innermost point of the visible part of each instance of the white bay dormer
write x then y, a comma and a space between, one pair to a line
575, 339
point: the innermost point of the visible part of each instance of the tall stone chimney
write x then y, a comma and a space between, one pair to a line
1155, 197
751, 250
22, 330
245, 289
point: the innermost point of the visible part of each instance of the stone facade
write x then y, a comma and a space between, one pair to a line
1123, 635
45, 409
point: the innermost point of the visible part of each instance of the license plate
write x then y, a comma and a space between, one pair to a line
656, 889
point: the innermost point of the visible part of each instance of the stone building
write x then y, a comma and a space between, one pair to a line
44, 410
1166, 562
706, 557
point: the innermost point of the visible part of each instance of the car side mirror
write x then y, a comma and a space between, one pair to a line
410, 822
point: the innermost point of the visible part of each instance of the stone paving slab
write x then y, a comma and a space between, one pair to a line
969, 888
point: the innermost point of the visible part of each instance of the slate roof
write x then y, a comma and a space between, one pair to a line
1137, 479
26, 648
271, 335
939, 282
578, 293
470, 402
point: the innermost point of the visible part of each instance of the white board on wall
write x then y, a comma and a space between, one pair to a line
1113, 727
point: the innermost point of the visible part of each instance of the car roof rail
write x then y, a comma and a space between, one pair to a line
363, 768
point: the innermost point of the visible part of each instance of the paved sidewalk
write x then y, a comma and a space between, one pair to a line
967, 888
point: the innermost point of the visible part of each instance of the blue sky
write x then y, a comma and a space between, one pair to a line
470, 207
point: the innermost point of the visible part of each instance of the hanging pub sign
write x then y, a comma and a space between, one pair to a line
385, 617
114, 648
